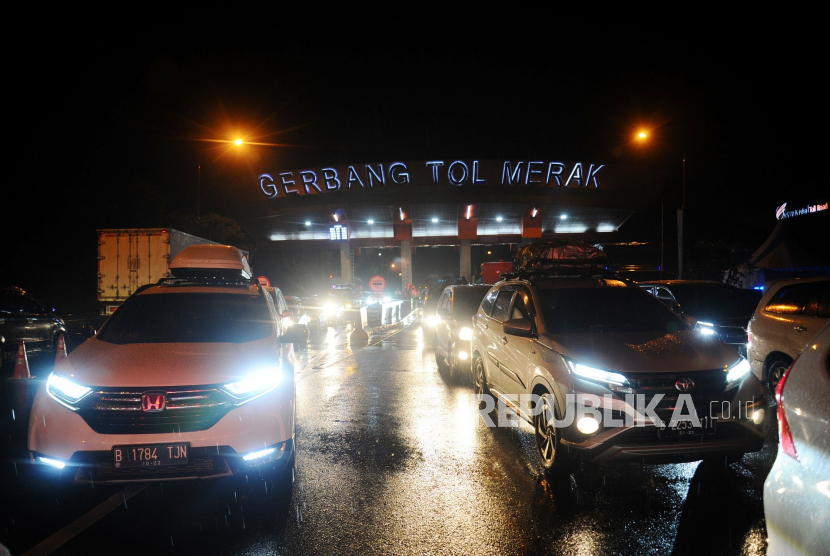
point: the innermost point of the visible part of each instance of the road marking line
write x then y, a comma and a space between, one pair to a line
75, 528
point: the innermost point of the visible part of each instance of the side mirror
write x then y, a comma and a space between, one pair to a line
444, 313
296, 334
518, 327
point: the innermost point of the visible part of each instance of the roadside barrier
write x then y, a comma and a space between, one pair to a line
379, 318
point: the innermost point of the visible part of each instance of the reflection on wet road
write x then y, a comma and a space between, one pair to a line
392, 459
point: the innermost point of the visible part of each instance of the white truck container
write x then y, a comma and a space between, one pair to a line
131, 258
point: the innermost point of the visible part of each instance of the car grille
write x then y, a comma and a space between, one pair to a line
709, 386
188, 409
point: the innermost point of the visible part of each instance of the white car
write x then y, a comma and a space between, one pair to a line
797, 490
788, 316
190, 378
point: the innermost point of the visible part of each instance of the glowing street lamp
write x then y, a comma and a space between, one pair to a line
238, 142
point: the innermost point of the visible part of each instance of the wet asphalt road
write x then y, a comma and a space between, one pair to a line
391, 459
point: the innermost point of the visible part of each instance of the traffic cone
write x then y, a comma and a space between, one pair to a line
60, 353
21, 366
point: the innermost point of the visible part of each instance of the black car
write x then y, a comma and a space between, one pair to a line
454, 328
23, 318
721, 310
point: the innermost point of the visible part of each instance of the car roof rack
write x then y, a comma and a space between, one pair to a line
561, 268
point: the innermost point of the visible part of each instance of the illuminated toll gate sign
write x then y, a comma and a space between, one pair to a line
452, 173
339, 232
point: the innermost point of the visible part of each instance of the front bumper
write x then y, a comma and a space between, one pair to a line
735, 431
204, 463
62, 434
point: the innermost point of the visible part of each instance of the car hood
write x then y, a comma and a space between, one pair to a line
102, 364
685, 350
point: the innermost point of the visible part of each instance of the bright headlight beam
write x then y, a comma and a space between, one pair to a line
466, 333
596, 374
51, 462
259, 454
737, 372
254, 385
65, 391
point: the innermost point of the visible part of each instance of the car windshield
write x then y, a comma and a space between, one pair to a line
605, 310
715, 299
467, 300
189, 317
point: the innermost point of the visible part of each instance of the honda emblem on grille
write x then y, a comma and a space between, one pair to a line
153, 402
684, 384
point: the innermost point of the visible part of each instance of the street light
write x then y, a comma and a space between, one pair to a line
238, 143
641, 137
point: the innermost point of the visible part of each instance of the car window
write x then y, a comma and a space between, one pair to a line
189, 317
818, 303
19, 304
501, 308
489, 301
466, 301
446, 300
605, 310
790, 300
519, 311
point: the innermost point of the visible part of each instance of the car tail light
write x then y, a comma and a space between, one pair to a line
784, 432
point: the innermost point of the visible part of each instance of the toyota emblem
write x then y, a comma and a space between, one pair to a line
684, 384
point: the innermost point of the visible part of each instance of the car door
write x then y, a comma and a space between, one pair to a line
494, 342
24, 322
516, 349
12, 323
816, 311
40, 325
781, 329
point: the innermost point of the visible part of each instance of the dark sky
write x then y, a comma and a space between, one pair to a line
111, 117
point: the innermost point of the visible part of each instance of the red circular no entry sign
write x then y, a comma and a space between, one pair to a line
377, 283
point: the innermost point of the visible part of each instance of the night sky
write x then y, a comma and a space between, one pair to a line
113, 119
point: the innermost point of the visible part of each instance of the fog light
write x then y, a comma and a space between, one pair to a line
463, 355
51, 462
757, 416
587, 425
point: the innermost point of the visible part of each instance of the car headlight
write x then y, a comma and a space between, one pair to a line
66, 392
254, 385
432, 320
736, 373
304, 319
614, 381
289, 321
466, 333
348, 305
706, 328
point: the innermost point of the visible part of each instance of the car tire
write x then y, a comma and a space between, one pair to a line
776, 370
480, 379
452, 363
552, 455
441, 362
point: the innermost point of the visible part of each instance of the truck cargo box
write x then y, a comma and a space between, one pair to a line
131, 258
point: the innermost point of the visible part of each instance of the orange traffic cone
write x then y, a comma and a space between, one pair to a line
60, 352
21, 366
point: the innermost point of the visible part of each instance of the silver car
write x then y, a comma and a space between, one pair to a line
550, 348
788, 316
797, 490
